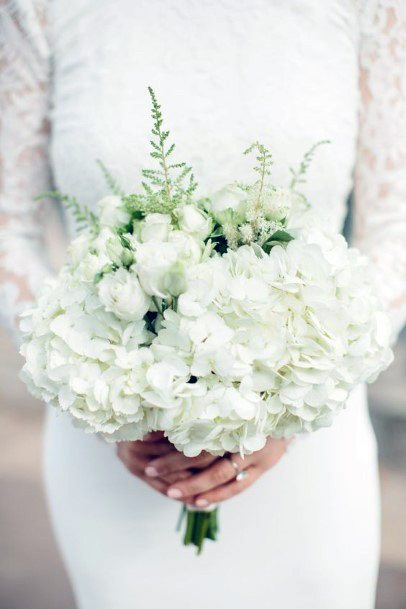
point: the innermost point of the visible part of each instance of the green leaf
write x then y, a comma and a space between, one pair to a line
220, 244
278, 238
282, 235
217, 232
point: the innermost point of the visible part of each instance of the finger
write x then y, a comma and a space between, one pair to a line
154, 449
156, 484
132, 466
226, 491
181, 475
176, 461
134, 462
154, 436
216, 475
270, 455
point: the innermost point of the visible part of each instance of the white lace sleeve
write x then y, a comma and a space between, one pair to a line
380, 181
24, 169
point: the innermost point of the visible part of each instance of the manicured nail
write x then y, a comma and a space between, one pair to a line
202, 503
175, 493
151, 471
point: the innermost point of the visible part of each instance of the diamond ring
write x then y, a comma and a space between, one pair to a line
241, 474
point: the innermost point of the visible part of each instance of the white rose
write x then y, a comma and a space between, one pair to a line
90, 265
230, 197
193, 221
78, 248
108, 244
188, 248
112, 212
155, 227
159, 268
121, 294
88, 255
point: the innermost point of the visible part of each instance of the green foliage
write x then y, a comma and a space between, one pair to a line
264, 160
108, 268
110, 180
256, 223
199, 526
83, 216
169, 186
218, 239
279, 237
298, 175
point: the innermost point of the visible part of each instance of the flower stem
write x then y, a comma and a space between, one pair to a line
156, 303
200, 525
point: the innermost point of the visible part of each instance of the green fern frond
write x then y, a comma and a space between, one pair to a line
298, 175
171, 184
110, 180
264, 159
83, 216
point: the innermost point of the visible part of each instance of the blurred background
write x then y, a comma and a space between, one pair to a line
31, 572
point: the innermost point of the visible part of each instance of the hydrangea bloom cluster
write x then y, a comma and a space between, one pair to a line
220, 322
155, 329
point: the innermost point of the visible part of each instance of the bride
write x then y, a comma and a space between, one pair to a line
301, 530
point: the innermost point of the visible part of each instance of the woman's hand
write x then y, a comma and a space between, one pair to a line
217, 481
137, 456
200, 480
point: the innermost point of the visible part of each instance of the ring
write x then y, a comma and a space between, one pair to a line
241, 474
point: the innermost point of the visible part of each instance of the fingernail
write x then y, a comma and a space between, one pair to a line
174, 493
151, 471
202, 502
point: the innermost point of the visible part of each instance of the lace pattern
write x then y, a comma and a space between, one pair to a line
380, 179
24, 168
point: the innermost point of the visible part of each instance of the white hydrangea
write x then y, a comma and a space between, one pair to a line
83, 359
146, 331
287, 335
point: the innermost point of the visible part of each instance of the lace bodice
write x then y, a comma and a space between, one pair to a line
73, 89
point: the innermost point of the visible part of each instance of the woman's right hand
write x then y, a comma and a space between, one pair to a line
170, 466
137, 455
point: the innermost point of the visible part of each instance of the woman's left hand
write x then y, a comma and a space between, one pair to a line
217, 481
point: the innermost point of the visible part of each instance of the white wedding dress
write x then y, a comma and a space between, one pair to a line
227, 72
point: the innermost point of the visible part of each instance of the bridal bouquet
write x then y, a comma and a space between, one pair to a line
218, 321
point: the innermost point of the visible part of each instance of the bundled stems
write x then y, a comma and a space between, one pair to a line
200, 525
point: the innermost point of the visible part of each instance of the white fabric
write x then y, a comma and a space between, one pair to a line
227, 72
305, 536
